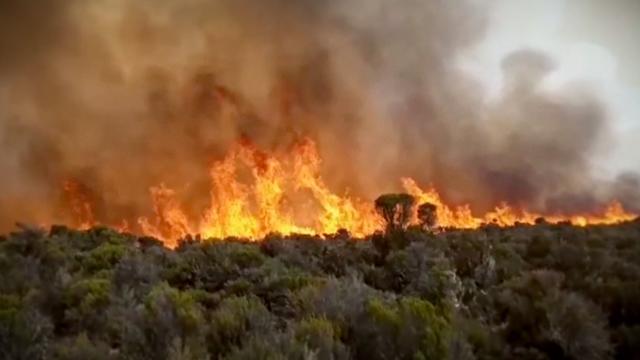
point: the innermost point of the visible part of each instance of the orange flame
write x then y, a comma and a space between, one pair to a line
78, 200
505, 215
254, 194
255, 209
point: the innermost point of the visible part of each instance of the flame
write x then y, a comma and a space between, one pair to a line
170, 222
254, 194
259, 207
78, 199
505, 215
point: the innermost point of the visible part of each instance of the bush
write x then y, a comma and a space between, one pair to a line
407, 329
322, 337
104, 257
81, 348
523, 292
169, 324
236, 320
25, 333
85, 302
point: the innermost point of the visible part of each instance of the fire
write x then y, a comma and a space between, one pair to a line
505, 215
79, 201
253, 194
255, 208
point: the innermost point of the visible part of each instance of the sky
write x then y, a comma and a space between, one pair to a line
596, 46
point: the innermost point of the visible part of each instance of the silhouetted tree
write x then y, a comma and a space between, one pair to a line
428, 216
396, 209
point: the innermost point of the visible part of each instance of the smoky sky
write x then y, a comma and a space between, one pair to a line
123, 95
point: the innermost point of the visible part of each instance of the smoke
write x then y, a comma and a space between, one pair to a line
122, 95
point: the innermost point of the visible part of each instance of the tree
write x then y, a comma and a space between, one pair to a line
428, 216
396, 209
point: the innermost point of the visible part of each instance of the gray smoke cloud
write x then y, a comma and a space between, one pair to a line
122, 95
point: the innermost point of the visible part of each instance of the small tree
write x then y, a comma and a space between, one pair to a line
428, 216
396, 209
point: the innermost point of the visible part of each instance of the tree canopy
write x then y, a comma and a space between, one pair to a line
395, 209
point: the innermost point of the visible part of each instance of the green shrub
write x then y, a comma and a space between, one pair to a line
88, 294
104, 257
25, 333
84, 302
235, 320
406, 329
81, 348
182, 303
322, 337
407, 294
10, 305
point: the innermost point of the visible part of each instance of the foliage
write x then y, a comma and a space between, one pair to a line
236, 320
428, 216
395, 209
539, 291
409, 328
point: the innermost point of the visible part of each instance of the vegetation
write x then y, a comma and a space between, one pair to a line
526, 292
396, 210
428, 216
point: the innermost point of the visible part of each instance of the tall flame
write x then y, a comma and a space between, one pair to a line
254, 194
77, 197
261, 206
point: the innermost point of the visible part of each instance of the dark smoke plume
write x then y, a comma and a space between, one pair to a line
122, 95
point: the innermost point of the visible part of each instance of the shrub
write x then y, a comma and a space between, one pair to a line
182, 304
322, 337
235, 320
406, 329
410, 294
25, 333
104, 257
81, 348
